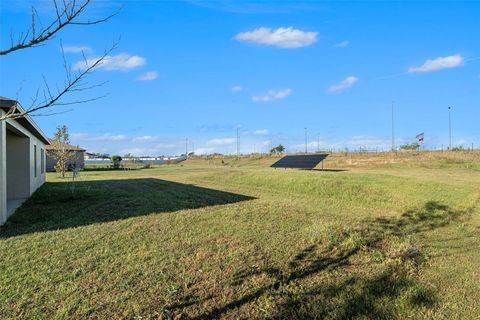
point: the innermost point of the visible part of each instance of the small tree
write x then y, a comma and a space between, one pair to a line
116, 161
458, 148
410, 146
278, 149
60, 150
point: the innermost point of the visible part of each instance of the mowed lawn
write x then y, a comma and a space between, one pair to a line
239, 240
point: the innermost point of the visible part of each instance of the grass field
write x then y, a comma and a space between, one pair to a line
383, 237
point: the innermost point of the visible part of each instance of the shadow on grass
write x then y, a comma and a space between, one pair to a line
379, 291
54, 206
328, 170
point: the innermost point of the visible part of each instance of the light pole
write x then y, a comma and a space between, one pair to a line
449, 128
393, 127
306, 150
238, 143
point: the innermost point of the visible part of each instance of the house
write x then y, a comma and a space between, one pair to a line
22, 158
76, 158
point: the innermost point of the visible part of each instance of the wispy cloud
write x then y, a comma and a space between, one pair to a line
147, 76
237, 88
344, 84
204, 150
77, 49
221, 141
122, 61
262, 132
145, 139
342, 44
438, 64
281, 37
166, 145
100, 137
273, 95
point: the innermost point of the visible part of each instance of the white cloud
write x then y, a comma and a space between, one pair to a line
138, 152
101, 137
122, 61
145, 139
166, 146
237, 88
342, 44
222, 141
273, 95
344, 84
311, 146
204, 150
77, 49
262, 132
281, 37
147, 76
438, 64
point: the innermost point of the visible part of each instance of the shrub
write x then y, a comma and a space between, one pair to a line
410, 146
116, 161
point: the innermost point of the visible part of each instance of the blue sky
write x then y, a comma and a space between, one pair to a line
202, 69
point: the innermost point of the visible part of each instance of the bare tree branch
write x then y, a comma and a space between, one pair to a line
73, 83
66, 15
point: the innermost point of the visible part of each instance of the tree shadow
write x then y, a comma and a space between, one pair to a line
366, 295
62, 205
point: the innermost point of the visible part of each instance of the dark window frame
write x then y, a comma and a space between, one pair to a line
42, 160
35, 161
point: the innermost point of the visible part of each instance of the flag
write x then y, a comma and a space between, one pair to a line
420, 137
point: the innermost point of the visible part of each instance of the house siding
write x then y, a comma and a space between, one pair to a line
3, 172
34, 182
77, 160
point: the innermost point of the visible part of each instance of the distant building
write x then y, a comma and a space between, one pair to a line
22, 158
76, 160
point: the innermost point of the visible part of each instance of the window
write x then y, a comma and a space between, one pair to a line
35, 160
42, 160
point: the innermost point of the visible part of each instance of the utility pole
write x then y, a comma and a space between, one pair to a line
449, 128
186, 147
238, 142
318, 143
393, 127
306, 150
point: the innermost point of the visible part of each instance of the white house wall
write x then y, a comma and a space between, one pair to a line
34, 182
18, 166
3, 172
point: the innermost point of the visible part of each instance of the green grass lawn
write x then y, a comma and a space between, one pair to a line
205, 241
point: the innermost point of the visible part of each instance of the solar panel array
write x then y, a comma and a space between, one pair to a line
300, 161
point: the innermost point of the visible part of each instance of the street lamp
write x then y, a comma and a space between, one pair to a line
450, 128
306, 151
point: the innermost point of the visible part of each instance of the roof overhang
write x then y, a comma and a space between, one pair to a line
25, 121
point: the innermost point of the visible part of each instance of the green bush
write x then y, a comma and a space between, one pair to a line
116, 161
410, 146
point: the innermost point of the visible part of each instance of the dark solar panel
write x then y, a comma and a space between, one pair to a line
300, 161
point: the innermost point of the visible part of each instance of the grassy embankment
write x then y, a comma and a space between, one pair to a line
389, 237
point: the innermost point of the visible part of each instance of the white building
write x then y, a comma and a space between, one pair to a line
22, 159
